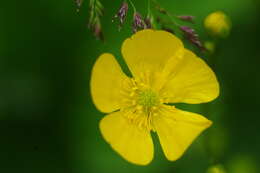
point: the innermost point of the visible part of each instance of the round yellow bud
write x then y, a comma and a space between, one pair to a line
210, 46
216, 169
218, 24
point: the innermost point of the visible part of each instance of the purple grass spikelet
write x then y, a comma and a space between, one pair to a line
192, 36
187, 18
121, 14
138, 22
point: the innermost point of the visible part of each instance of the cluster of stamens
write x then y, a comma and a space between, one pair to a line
140, 103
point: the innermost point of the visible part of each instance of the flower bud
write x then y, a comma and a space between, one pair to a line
216, 169
218, 24
210, 46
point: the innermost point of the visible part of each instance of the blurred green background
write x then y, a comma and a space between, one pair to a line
48, 122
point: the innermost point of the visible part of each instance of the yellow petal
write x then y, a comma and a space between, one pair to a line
105, 84
149, 50
177, 129
190, 81
132, 143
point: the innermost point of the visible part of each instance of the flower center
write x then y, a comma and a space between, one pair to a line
148, 98
140, 103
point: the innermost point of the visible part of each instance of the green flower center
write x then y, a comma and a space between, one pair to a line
148, 98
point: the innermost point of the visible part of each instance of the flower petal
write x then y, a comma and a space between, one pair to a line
105, 84
149, 50
177, 129
190, 81
132, 143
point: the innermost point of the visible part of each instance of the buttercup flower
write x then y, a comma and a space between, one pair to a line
218, 24
163, 72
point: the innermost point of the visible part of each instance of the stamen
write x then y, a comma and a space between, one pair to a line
148, 98
132, 94
140, 102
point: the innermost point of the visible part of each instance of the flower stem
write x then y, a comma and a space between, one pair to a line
132, 4
149, 8
171, 16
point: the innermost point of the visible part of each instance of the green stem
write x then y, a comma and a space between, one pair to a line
171, 16
149, 8
133, 6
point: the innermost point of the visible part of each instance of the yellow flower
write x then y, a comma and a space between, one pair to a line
163, 72
218, 24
